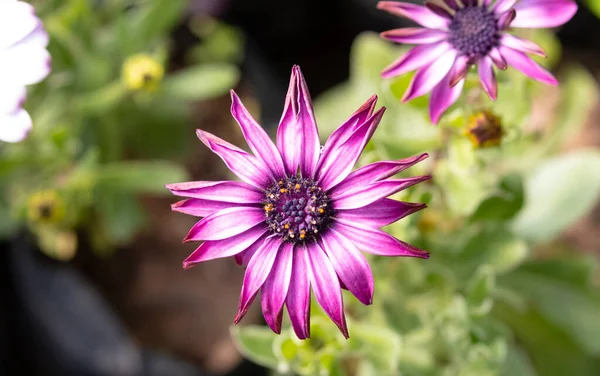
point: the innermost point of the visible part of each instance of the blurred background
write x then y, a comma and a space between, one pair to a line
91, 281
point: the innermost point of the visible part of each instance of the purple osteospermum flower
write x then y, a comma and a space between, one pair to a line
300, 215
457, 34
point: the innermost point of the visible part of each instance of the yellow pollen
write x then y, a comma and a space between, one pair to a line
283, 190
321, 210
302, 236
268, 207
297, 186
287, 225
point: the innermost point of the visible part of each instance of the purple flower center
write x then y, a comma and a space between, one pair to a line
297, 209
474, 31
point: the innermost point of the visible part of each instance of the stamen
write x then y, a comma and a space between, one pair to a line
474, 31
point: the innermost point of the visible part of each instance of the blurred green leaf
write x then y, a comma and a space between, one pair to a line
380, 346
140, 176
201, 82
574, 308
575, 269
594, 6
479, 290
255, 343
517, 363
151, 20
558, 193
120, 213
505, 203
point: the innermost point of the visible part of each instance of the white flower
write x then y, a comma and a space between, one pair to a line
24, 60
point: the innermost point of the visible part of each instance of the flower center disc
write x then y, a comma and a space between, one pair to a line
297, 209
474, 31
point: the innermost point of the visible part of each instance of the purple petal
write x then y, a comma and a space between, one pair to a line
339, 160
522, 45
458, 71
415, 59
524, 64
414, 35
452, 4
226, 223
417, 13
377, 242
244, 257
275, 289
487, 77
380, 213
445, 94
427, 77
226, 191
214, 249
364, 195
258, 270
258, 140
345, 130
506, 18
498, 59
297, 136
199, 207
326, 286
543, 13
374, 172
298, 297
440, 11
245, 166
502, 6
350, 265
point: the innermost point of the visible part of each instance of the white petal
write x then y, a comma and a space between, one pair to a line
14, 127
11, 97
24, 63
17, 20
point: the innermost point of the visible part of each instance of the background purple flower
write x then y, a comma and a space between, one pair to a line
300, 216
457, 34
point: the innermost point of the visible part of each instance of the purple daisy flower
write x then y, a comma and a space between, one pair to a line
300, 214
457, 34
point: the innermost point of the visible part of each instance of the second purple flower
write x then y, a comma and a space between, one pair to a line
300, 217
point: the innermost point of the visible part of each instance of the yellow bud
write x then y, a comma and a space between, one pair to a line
45, 208
484, 129
142, 73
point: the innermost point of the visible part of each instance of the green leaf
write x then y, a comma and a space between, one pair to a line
572, 308
256, 344
201, 82
517, 363
574, 269
594, 6
120, 213
504, 204
381, 346
558, 193
140, 176
479, 290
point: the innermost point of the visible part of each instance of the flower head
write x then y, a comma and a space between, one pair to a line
142, 73
458, 34
300, 216
45, 208
484, 129
24, 60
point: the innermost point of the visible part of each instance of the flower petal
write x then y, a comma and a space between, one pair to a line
339, 161
522, 45
17, 20
298, 297
258, 270
242, 164
524, 64
244, 257
226, 191
501, 6
199, 207
350, 265
275, 289
326, 286
374, 172
297, 135
506, 18
415, 59
226, 223
380, 213
497, 58
543, 13
427, 77
15, 126
12, 97
214, 249
24, 64
487, 77
440, 11
377, 242
258, 140
365, 195
444, 95
417, 13
414, 35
